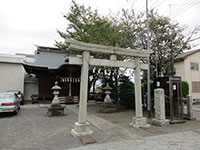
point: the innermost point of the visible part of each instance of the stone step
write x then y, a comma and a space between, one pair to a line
76, 99
62, 100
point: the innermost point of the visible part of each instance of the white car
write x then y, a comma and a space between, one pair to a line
9, 102
19, 94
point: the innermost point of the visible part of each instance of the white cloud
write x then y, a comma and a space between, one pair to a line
28, 22
24, 23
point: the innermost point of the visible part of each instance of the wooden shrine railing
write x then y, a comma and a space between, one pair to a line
36, 98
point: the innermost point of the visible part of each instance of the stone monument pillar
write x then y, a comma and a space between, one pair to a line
82, 127
138, 120
159, 104
189, 114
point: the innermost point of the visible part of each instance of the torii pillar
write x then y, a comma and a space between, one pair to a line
138, 121
82, 127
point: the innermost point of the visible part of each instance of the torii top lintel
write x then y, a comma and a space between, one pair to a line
94, 48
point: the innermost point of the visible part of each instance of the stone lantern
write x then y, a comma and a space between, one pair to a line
56, 92
55, 109
107, 89
108, 106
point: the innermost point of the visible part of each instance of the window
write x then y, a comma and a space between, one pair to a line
194, 66
196, 87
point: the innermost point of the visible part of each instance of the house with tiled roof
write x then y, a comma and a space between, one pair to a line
187, 66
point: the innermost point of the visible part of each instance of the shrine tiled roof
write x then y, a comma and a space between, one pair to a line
49, 58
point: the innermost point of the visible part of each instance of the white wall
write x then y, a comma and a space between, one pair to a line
11, 73
183, 70
180, 70
192, 75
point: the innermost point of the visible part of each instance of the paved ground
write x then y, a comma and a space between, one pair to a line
189, 140
31, 129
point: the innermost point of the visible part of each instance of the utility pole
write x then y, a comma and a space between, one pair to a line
148, 74
156, 60
172, 59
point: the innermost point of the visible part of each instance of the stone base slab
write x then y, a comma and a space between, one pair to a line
81, 129
108, 108
140, 123
48, 105
55, 110
188, 117
162, 123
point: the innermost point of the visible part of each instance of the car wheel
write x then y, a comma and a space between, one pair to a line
16, 112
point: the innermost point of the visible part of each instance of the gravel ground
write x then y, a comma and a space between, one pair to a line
31, 129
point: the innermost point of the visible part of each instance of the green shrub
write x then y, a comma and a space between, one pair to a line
144, 88
185, 88
126, 92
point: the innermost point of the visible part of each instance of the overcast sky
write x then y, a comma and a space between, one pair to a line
26, 23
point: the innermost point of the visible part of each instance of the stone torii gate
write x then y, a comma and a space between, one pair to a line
82, 127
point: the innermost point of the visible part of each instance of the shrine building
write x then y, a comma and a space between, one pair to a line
50, 65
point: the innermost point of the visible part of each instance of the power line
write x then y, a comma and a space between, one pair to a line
150, 3
161, 2
154, 3
144, 5
169, 9
194, 39
179, 8
184, 9
185, 4
187, 9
